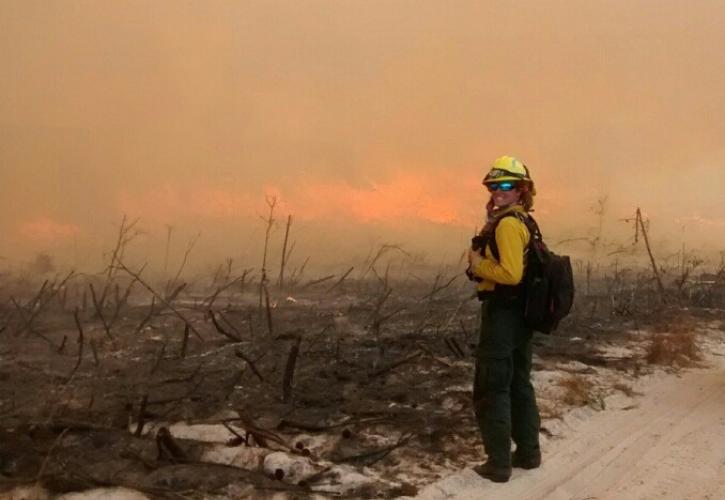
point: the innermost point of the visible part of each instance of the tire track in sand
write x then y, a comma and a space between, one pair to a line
671, 446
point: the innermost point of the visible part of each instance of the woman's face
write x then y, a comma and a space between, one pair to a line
505, 198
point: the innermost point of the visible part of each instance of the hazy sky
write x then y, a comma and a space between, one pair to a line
374, 118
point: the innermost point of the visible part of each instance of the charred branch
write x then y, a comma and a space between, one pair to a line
99, 311
284, 252
268, 309
269, 224
159, 358
184, 341
148, 316
209, 301
27, 326
318, 281
289, 371
141, 418
396, 364
80, 342
168, 448
240, 354
221, 329
660, 286
189, 247
437, 287
161, 299
341, 280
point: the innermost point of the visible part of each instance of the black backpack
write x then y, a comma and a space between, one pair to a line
548, 282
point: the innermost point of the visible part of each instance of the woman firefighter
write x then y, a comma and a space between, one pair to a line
504, 400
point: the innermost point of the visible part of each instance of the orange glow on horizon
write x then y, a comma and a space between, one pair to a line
406, 197
47, 230
403, 198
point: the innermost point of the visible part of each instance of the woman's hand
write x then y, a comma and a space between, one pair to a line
474, 258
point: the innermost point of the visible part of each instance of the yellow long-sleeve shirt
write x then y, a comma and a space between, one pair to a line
512, 238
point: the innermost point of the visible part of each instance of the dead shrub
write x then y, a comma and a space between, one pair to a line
673, 342
578, 391
676, 350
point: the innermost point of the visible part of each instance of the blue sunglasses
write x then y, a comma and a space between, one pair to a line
501, 186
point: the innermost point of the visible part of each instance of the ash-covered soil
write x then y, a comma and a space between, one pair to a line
359, 389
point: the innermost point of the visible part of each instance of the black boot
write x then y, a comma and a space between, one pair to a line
496, 473
522, 461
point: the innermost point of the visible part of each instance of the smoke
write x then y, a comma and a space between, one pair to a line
369, 121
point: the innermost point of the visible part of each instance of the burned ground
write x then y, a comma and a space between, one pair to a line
358, 388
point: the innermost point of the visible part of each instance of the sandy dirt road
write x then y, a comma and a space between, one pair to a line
671, 444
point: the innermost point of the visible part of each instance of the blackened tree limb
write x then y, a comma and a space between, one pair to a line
80, 345
656, 272
189, 247
99, 311
221, 329
269, 221
268, 309
284, 252
55, 444
168, 448
125, 236
289, 371
159, 358
40, 301
437, 288
381, 251
26, 322
209, 301
175, 293
122, 302
240, 354
318, 281
36, 299
161, 299
147, 318
297, 275
141, 415
339, 282
228, 323
185, 340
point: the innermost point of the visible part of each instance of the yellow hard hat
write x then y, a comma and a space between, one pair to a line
508, 168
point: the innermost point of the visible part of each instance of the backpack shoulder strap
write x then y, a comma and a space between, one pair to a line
531, 225
528, 221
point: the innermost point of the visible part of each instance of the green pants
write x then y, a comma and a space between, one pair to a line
503, 395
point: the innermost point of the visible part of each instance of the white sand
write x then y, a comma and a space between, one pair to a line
671, 445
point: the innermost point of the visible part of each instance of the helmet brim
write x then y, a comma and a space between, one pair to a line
503, 178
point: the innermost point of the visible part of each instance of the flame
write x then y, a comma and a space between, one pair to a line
404, 197
47, 230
